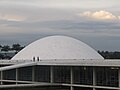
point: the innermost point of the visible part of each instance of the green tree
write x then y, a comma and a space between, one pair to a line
110, 55
17, 47
0, 46
5, 48
1, 56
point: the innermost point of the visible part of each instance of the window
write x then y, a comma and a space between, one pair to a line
61, 74
9, 74
83, 75
107, 76
25, 74
42, 73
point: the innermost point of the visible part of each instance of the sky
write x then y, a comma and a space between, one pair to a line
95, 22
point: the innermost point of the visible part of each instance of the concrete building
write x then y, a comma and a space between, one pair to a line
59, 63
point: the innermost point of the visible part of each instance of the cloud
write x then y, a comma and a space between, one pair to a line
62, 3
11, 17
101, 15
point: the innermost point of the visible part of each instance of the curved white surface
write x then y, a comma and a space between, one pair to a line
57, 47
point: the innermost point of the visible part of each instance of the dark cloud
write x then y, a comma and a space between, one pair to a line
101, 35
40, 22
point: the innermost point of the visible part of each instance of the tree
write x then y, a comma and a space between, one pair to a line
16, 47
0, 46
5, 48
110, 55
1, 56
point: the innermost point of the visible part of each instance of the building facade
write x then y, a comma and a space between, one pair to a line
59, 66
72, 75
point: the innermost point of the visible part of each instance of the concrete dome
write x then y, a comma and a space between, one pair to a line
57, 47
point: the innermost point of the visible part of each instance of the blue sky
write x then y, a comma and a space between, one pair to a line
95, 22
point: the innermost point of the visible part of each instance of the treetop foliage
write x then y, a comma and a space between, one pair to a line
5, 49
110, 55
17, 47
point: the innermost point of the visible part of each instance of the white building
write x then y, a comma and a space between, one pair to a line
59, 63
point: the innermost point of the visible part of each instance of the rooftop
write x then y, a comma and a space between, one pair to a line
57, 47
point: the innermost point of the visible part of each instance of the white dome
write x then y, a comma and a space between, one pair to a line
57, 47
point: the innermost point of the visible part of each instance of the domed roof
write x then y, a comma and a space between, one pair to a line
57, 47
